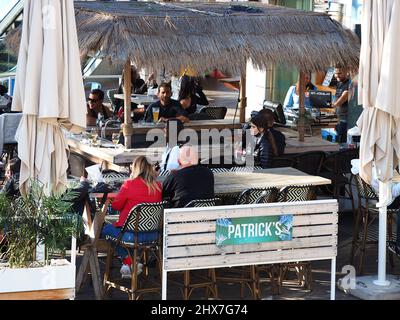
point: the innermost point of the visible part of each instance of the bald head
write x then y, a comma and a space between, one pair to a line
188, 156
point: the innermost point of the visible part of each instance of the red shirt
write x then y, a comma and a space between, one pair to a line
133, 192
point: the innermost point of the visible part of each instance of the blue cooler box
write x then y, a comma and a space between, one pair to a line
329, 134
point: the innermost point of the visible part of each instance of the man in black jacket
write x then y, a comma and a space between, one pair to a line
191, 182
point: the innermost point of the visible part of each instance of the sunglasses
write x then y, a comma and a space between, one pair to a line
92, 100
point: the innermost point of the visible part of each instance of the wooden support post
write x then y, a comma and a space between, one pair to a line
243, 99
127, 127
301, 123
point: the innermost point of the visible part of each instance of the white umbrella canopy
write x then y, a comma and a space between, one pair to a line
49, 91
380, 121
379, 89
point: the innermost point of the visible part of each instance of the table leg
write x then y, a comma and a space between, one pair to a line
95, 271
83, 270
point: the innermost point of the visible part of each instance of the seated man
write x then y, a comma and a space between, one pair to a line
191, 182
95, 107
168, 108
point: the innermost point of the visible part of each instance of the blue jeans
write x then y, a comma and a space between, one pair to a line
129, 236
341, 130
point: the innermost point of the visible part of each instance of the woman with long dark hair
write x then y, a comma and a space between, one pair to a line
269, 142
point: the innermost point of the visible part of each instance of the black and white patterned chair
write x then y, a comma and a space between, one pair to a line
257, 195
164, 173
115, 179
366, 215
220, 170
248, 276
215, 112
246, 169
297, 193
145, 217
302, 269
204, 203
209, 281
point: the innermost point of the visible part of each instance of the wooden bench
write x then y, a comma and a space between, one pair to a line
190, 236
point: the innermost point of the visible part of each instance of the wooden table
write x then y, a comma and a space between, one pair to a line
197, 125
90, 262
235, 182
138, 98
314, 143
117, 159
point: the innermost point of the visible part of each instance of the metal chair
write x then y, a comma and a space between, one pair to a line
282, 162
309, 162
248, 276
302, 269
215, 112
209, 283
337, 168
145, 217
366, 214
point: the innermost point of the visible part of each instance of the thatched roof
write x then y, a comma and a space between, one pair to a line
207, 35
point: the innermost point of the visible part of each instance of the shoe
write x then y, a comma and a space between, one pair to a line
393, 247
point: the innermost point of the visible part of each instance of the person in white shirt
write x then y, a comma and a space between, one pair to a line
169, 160
393, 246
292, 100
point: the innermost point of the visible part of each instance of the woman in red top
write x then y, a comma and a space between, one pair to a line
142, 187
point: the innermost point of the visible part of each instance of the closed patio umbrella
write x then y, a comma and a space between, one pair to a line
49, 91
380, 120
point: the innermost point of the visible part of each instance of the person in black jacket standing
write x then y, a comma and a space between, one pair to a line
269, 142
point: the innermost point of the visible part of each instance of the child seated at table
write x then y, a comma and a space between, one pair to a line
141, 187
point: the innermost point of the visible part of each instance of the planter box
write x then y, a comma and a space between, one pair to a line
50, 282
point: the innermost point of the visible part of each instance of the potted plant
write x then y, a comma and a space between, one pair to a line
33, 220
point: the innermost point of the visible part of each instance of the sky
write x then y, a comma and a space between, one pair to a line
5, 6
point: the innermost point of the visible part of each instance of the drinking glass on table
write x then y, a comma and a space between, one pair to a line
94, 133
115, 139
89, 136
156, 114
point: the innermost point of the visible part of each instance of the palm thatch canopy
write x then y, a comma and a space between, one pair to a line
212, 35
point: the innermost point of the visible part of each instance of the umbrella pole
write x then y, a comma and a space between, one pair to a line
127, 126
300, 125
385, 195
242, 98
